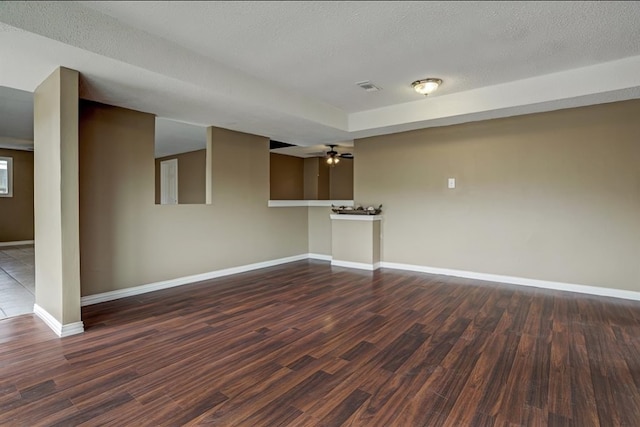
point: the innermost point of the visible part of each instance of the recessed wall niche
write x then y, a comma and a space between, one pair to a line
180, 163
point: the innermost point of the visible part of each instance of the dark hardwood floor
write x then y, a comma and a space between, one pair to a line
307, 345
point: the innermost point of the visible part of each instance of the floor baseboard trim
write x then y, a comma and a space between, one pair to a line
321, 257
17, 243
358, 265
142, 289
165, 284
57, 327
545, 284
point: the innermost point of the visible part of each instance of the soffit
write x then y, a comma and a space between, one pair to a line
320, 49
287, 70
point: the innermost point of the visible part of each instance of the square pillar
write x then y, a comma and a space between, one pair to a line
57, 236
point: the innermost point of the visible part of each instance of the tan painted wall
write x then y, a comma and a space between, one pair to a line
341, 180
191, 177
57, 252
311, 178
319, 230
322, 182
324, 188
286, 177
128, 240
316, 179
16, 213
355, 241
551, 196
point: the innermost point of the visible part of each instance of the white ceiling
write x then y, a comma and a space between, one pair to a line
318, 150
175, 137
16, 127
287, 70
16, 119
321, 50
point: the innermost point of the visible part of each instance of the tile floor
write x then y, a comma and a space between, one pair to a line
17, 280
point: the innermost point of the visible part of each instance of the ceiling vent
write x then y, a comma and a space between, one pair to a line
368, 86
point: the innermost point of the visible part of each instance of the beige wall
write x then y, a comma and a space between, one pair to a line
191, 177
355, 241
322, 182
16, 218
311, 172
294, 178
128, 240
286, 177
341, 180
324, 188
319, 230
316, 179
551, 196
57, 252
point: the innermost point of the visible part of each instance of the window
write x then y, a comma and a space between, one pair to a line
6, 177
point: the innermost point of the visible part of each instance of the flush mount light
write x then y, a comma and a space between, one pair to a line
426, 86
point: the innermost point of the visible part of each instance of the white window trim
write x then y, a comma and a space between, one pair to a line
9, 161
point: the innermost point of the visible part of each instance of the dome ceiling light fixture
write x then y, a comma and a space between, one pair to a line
426, 86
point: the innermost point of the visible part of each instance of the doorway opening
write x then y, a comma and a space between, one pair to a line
17, 264
169, 182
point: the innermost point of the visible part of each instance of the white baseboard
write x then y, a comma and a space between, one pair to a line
165, 284
559, 286
60, 329
137, 290
321, 257
358, 265
17, 243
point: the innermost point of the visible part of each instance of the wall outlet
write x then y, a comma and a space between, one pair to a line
452, 183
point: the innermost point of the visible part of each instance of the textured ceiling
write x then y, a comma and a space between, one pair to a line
174, 137
321, 49
287, 69
318, 150
16, 113
16, 127
16, 119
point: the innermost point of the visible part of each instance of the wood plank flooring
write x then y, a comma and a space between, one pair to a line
307, 345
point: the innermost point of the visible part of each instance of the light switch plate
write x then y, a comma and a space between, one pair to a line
452, 183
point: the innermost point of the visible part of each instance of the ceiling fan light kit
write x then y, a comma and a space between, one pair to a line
333, 157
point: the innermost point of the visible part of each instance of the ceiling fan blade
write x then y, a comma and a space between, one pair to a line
347, 155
